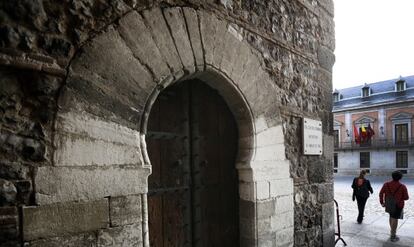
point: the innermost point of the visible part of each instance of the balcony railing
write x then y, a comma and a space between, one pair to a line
375, 143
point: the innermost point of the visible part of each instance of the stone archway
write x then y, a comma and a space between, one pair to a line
100, 149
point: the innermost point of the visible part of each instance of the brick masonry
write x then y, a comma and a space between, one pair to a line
65, 103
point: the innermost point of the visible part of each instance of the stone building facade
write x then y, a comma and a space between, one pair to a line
388, 108
80, 85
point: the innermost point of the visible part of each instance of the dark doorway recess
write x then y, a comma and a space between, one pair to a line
193, 189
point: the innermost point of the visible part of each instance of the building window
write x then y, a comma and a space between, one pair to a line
335, 164
364, 160
401, 134
400, 86
365, 92
402, 161
335, 97
336, 138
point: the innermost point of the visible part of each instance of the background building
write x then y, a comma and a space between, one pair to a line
165, 123
387, 107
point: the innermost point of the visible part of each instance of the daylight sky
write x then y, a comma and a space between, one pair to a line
374, 41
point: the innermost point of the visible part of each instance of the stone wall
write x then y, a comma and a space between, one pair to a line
64, 103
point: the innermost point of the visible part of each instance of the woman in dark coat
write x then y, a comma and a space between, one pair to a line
361, 187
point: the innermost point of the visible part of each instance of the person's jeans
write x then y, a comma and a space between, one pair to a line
361, 201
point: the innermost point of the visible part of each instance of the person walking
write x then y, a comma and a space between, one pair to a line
362, 188
392, 197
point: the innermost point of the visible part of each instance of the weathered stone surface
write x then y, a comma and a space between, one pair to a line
208, 28
326, 58
76, 150
64, 218
14, 170
8, 193
116, 66
9, 225
231, 46
133, 30
60, 184
175, 20
130, 235
162, 37
85, 140
268, 49
81, 240
125, 210
192, 22
325, 192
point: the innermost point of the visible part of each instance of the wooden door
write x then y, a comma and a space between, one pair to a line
193, 189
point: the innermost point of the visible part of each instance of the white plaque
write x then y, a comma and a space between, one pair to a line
312, 137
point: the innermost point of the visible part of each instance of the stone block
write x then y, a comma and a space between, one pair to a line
125, 210
325, 192
114, 67
88, 125
262, 190
125, 236
265, 209
8, 193
285, 236
208, 23
75, 150
247, 191
284, 204
176, 22
81, 240
220, 39
9, 224
275, 152
328, 238
13, 171
138, 38
64, 219
326, 58
270, 136
328, 217
316, 171
249, 75
264, 226
195, 36
328, 147
281, 187
267, 240
60, 184
282, 221
270, 170
247, 209
234, 39
162, 37
239, 65
248, 227
327, 5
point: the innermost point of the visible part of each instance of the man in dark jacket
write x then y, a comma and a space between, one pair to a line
400, 194
361, 187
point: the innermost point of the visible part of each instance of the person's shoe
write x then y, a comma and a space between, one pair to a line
394, 238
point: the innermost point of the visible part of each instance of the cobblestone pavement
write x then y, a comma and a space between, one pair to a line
343, 195
374, 231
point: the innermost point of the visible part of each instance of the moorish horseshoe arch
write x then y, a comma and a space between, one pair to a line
115, 89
